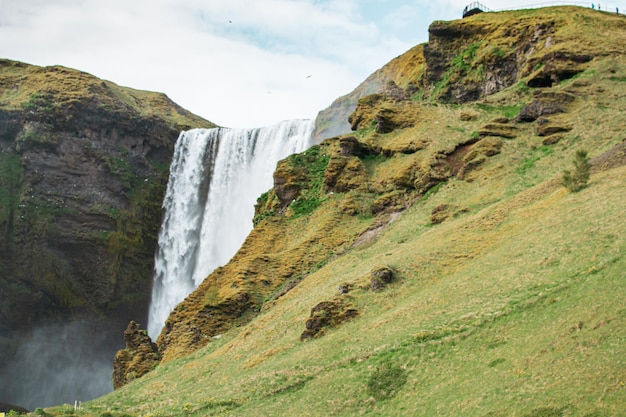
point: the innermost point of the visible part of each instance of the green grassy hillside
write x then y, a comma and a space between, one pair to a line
431, 263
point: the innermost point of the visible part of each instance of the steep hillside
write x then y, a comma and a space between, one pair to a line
430, 262
83, 169
470, 59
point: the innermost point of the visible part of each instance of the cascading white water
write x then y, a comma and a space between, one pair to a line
215, 178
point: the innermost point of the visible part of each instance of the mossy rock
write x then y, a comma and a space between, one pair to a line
327, 314
344, 174
381, 277
503, 130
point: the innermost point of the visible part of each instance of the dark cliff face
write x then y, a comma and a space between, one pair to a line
83, 170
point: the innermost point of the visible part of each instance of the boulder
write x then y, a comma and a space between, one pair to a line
381, 277
324, 315
138, 358
545, 103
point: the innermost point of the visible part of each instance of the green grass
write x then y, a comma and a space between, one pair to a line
471, 337
529, 162
464, 60
508, 111
39, 103
314, 161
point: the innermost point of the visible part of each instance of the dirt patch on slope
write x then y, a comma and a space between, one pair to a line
612, 158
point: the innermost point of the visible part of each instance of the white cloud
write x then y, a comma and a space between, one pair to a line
236, 62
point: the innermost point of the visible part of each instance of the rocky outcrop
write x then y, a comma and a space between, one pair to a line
325, 315
558, 66
398, 80
381, 277
467, 60
383, 114
545, 103
344, 174
547, 128
499, 128
83, 169
138, 358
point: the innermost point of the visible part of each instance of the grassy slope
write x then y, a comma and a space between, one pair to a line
485, 318
514, 307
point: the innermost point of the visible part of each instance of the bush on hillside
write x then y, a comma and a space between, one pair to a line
577, 179
386, 381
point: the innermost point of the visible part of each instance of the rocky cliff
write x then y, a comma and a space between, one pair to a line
83, 169
470, 59
436, 114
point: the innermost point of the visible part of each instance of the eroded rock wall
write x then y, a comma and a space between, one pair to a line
83, 170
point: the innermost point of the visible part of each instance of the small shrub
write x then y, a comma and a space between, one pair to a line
577, 179
386, 381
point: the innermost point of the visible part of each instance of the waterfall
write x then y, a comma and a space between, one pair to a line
215, 178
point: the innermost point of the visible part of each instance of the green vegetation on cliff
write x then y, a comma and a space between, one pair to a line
11, 179
430, 263
55, 93
83, 169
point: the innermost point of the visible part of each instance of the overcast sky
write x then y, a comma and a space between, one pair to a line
238, 63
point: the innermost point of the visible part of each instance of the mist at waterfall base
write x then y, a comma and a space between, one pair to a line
215, 179
60, 364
